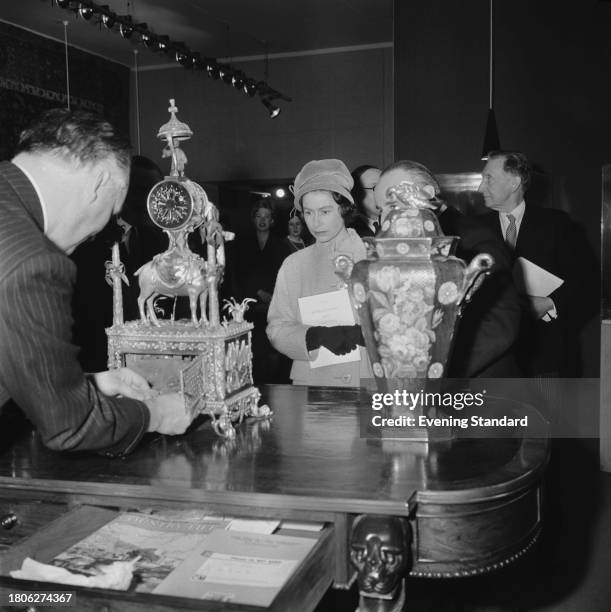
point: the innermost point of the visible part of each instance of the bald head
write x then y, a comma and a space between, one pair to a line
400, 171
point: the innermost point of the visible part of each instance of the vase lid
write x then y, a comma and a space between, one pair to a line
410, 212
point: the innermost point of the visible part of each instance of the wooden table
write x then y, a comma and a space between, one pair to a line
471, 504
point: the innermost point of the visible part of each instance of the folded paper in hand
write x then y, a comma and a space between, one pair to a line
328, 309
531, 279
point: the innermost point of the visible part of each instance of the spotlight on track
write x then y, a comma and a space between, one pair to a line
109, 20
182, 56
212, 69
197, 62
148, 40
226, 74
85, 11
162, 43
272, 109
237, 80
126, 29
250, 87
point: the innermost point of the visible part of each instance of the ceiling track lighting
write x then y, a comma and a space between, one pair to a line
148, 40
212, 69
197, 62
85, 11
265, 91
182, 58
237, 80
163, 43
182, 54
126, 27
250, 87
226, 73
272, 109
109, 20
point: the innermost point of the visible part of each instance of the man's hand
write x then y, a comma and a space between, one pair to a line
539, 305
168, 415
123, 381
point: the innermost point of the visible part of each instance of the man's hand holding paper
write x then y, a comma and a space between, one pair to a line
541, 307
537, 284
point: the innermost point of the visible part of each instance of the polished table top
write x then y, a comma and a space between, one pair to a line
309, 456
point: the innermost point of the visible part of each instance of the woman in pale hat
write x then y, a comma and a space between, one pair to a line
322, 194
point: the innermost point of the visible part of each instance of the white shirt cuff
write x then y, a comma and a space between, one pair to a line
552, 313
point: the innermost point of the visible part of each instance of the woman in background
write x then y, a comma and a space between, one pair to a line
322, 193
257, 259
294, 239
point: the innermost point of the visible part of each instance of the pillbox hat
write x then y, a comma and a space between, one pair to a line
323, 174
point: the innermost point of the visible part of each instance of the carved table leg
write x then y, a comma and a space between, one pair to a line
380, 551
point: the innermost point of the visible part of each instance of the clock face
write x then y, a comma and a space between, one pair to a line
170, 205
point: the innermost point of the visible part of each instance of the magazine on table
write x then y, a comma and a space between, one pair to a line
238, 567
158, 542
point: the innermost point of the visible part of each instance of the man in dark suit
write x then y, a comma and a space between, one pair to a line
547, 238
487, 331
69, 175
139, 241
365, 222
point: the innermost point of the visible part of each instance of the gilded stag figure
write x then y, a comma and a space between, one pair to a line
180, 272
173, 274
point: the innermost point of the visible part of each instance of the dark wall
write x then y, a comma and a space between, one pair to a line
342, 107
33, 79
552, 97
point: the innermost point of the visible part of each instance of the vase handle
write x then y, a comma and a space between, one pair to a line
343, 267
479, 267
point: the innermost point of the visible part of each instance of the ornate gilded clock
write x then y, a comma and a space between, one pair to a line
170, 204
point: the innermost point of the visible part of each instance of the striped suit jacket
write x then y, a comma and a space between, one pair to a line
39, 370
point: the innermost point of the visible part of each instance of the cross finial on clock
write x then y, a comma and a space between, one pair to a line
172, 108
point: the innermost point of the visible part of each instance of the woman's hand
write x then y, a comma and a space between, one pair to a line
339, 339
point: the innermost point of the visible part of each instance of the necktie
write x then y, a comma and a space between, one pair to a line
376, 227
125, 239
511, 235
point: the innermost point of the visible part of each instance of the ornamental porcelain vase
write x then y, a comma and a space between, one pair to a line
410, 290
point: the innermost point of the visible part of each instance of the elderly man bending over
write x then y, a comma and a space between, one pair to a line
70, 174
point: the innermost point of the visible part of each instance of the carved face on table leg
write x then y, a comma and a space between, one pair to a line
379, 549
